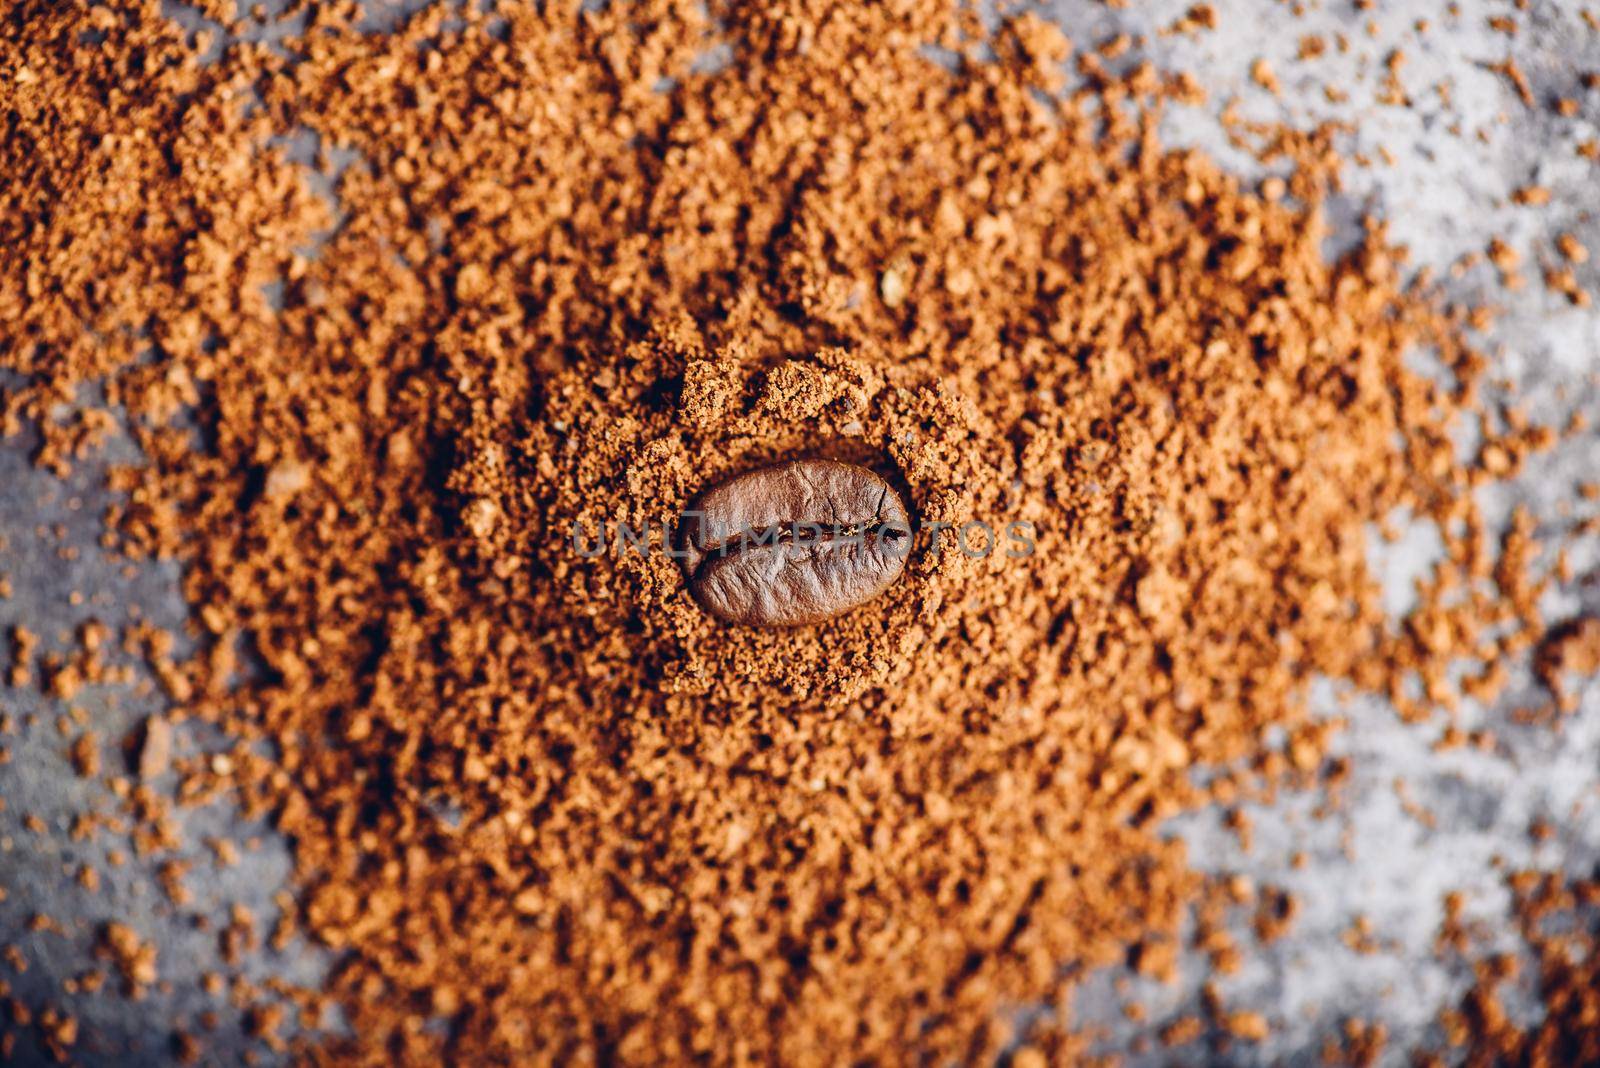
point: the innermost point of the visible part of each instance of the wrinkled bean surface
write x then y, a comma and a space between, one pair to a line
794, 543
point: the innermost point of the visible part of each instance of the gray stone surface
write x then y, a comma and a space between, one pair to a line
1441, 176
62, 580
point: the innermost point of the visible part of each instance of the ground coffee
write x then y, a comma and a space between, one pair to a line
545, 807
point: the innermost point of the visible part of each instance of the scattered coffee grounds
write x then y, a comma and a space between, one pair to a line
1555, 919
1569, 652
545, 805
135, 960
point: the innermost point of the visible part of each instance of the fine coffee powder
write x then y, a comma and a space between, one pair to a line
794, 543
544, 806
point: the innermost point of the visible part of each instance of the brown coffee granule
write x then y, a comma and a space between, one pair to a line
1203, 16
60, 1032
153, 748
1392, 91
23, 645
133, 957
1503, 255
1275, 915
1182, 1031
1570, 651
1562, 280
186, 1048
85, 756
1361, 1045
1262, 74
1247, 1025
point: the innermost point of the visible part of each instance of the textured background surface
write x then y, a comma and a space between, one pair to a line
1441, 173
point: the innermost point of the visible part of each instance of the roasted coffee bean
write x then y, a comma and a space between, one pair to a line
794, 543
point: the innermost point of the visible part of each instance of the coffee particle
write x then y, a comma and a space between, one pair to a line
154, 748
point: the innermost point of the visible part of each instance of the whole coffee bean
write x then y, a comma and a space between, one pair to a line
794, 543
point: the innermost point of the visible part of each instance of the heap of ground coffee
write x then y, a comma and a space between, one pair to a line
545, 805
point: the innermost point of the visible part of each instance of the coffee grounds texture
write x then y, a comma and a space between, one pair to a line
543, 806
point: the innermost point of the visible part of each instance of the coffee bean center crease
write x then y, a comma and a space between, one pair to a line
794, 543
